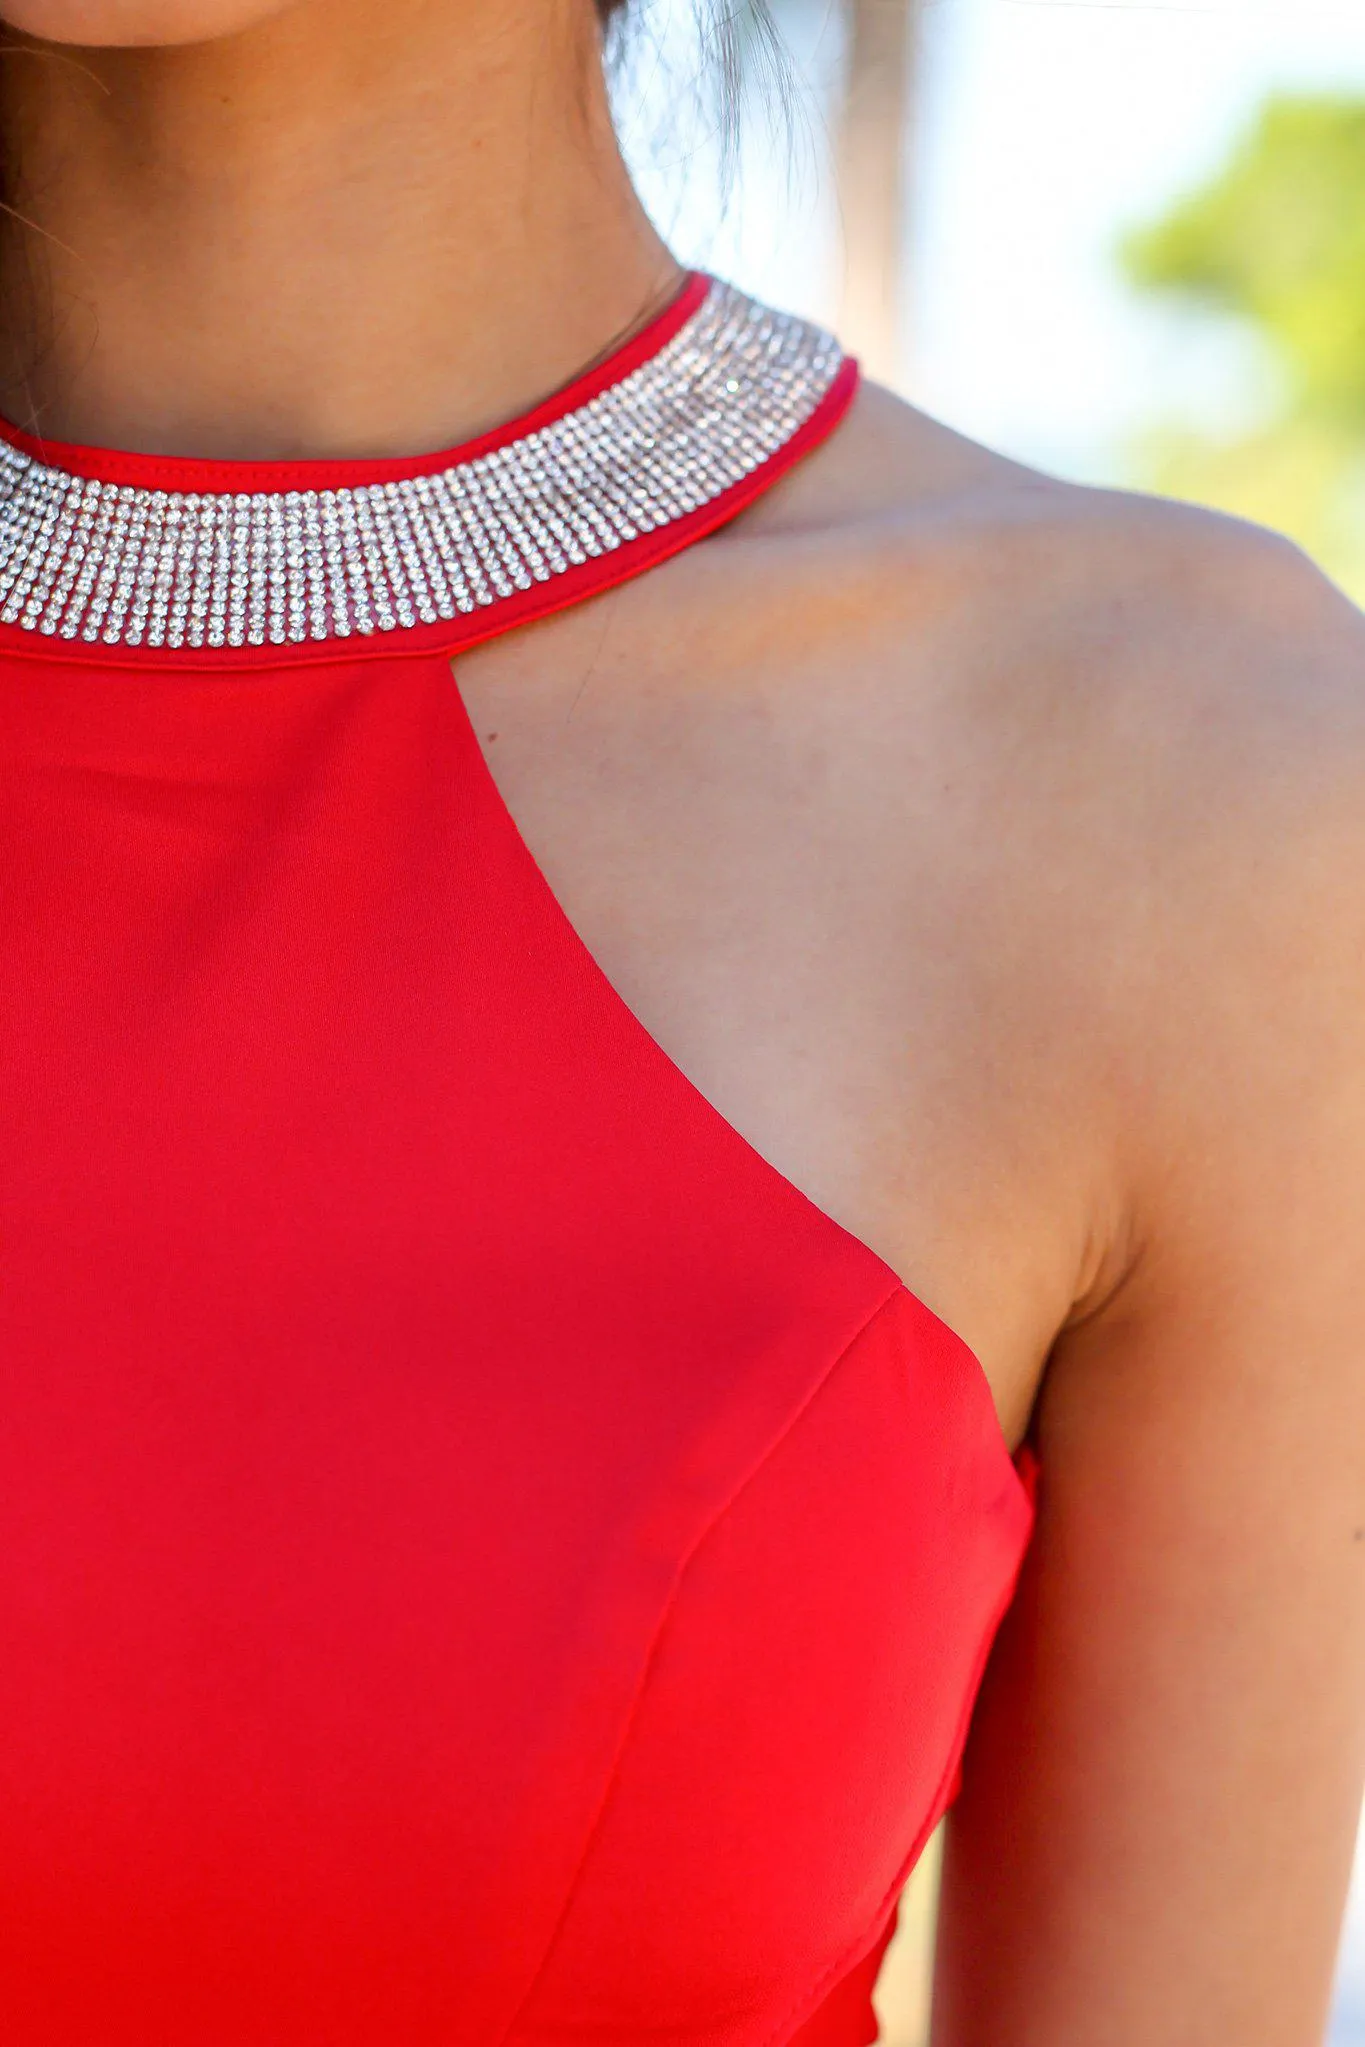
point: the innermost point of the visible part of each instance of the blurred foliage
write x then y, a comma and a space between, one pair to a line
1276, 240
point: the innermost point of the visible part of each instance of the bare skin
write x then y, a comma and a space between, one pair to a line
991, 852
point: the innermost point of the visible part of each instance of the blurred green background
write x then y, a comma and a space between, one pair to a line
1275, 239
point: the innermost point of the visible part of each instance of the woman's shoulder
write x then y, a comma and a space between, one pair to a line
1051, 560
1139, 727
1153, 657
1123, 692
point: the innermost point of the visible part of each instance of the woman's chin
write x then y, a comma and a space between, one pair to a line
134, 24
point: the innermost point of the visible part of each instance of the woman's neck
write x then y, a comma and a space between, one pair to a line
361, 227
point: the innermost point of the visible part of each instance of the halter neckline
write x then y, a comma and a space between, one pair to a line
662, 441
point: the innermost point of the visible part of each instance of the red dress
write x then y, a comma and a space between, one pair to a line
482, 1558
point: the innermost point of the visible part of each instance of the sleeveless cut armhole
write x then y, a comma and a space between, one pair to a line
1021, 1474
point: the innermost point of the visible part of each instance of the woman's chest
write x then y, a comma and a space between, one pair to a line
481, 1556
817, 902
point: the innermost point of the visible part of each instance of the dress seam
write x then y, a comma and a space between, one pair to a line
707, 1529
807, 2006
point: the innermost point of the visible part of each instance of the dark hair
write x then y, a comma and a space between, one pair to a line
739, 51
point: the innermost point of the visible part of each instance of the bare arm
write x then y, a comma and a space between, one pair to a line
1153, 1842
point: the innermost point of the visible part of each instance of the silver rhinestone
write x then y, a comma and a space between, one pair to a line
126, 565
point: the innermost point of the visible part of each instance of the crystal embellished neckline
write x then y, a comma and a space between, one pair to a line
624, 469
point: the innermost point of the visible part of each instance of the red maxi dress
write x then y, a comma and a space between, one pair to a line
484, 1562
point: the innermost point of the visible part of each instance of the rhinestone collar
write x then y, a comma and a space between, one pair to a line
684, 433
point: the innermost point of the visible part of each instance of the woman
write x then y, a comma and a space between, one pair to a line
542, 1195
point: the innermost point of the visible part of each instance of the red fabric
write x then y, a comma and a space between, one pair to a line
482, 1559
846, 2018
